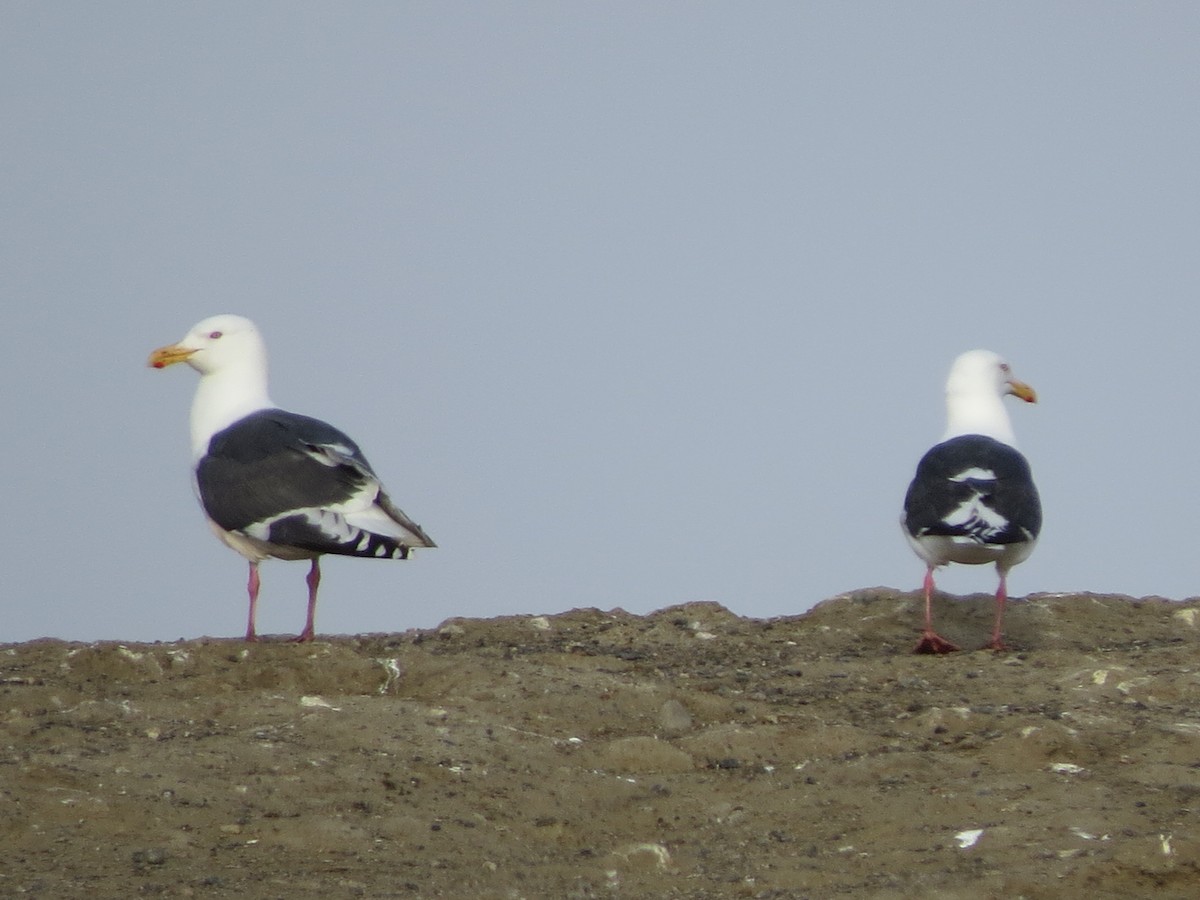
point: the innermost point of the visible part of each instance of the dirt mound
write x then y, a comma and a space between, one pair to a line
689, 753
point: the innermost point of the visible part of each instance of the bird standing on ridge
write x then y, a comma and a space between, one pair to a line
973, 499
274, 483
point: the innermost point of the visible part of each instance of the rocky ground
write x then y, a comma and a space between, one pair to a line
685, 754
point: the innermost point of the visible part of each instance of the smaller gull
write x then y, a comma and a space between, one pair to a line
274, 483
973, 499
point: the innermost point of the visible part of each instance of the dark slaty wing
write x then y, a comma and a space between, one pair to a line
272, 462
949, 476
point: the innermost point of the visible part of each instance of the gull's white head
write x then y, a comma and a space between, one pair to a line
978, 381
217, 343
231, 358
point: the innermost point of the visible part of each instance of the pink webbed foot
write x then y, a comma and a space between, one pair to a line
932, 642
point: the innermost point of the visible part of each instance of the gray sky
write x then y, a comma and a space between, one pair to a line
629, 304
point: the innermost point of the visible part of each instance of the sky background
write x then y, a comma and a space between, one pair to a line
629, 304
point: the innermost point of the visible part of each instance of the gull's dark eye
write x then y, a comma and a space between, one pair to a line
214, 334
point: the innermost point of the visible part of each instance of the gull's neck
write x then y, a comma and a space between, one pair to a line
225, 396
978, 413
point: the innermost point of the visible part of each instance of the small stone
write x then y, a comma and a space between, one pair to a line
151, 856
674, 717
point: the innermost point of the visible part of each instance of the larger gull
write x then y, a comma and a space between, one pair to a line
973, 499
274, 483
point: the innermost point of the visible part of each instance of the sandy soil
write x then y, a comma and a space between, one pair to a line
685, 754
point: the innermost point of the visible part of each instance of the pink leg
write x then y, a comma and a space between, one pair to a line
931, 641
252, 590
997, 642
314, 582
